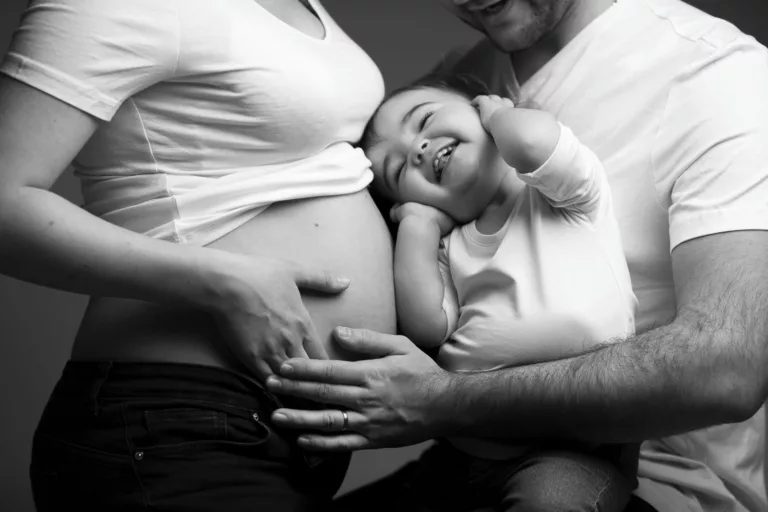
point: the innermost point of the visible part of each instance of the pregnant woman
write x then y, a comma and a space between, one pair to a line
226, 227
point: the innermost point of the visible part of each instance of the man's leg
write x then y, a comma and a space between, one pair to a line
557, 481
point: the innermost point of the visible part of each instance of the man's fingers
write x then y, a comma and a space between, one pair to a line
336, 394
340, 443
332, 372
371, 343
330, 420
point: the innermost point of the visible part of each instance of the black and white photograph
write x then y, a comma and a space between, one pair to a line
384, 255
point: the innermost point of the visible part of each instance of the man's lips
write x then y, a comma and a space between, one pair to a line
479, 6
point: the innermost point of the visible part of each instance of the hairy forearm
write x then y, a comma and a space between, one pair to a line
49, 241
418, 283
666, 381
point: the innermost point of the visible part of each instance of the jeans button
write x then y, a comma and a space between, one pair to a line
138, 455
255, 417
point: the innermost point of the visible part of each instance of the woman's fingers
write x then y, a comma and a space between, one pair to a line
294, 351
319, 280
259, 367
315, 349
371, 343
275, 359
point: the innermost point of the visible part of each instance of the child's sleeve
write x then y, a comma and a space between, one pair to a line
94, 54
572, 178
450, 297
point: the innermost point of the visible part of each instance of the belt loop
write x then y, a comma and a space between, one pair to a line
102, 375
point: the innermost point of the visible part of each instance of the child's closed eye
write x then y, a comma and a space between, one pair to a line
424, 119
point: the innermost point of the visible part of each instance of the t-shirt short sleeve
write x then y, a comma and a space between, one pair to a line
712, 147
94, 54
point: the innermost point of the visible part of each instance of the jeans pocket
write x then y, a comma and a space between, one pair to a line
177, 426
160, 427
207, 456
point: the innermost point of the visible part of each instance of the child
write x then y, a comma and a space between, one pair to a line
535, 271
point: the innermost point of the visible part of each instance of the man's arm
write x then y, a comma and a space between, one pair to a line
706, 367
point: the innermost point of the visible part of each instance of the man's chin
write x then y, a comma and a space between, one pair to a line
506, 44
513, 39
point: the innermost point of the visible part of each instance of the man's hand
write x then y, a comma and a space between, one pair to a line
396, 398
443, 221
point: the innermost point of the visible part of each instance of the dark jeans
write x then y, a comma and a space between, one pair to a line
445, 479
175, 437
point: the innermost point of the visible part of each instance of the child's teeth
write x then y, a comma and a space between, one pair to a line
441, 160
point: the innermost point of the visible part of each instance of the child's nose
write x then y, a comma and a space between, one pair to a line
421, 149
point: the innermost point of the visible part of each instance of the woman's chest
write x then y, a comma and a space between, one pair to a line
250, 88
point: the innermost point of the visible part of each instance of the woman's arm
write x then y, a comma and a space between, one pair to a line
47, 240
419, 287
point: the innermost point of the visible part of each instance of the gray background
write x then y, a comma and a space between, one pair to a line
37, 325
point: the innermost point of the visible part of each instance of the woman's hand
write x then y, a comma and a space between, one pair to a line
398, 397
443, 221
260, 312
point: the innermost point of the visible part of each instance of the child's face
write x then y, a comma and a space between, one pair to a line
429, 147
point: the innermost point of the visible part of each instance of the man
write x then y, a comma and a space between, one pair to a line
675, 104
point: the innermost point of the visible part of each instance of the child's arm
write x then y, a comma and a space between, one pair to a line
525, 138
547, 156
419, 286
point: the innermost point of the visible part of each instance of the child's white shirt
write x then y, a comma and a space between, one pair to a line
553, 280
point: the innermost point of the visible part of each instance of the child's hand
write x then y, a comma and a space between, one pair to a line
525, 137
488, 105
427, 213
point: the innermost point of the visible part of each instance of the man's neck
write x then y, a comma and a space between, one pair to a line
580, 14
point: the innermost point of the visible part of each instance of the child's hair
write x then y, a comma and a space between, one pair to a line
464, 84
467, 85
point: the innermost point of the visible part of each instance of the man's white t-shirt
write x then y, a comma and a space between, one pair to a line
674, 102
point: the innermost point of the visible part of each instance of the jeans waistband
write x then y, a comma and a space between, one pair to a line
151, 380
90, 383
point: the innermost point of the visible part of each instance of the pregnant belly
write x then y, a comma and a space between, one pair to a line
344, 235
